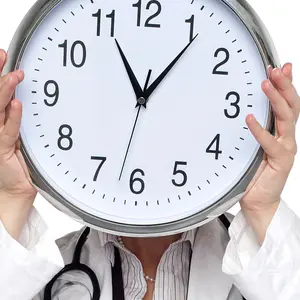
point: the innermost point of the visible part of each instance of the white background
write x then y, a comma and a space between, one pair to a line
281, 19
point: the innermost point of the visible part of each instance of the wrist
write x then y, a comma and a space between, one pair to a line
259, 217
14, 212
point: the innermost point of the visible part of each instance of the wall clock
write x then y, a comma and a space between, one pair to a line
134, 110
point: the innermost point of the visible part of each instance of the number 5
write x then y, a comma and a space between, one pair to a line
176, 171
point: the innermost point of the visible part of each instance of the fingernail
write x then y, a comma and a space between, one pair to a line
19, 74
277, 70
2, 56
269, 70
251, 117
269, 83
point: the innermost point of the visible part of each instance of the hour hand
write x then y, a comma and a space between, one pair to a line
135, 84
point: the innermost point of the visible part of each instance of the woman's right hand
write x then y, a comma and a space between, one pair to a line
16, 190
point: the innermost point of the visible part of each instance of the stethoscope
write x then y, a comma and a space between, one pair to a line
117, 277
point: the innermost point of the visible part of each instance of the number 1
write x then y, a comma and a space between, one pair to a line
191, 21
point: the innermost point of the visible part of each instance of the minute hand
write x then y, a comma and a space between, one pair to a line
161, 77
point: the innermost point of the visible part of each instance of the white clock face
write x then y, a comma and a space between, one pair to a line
190, 145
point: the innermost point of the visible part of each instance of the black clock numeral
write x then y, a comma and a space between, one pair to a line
217, 150
76, 44
234, 104
181, 172
191, 20
54, 94
65, 136
227, 55
102, 161
138, 5
147, 23
109, 16
139, 180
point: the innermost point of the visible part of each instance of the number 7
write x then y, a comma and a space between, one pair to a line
102, 159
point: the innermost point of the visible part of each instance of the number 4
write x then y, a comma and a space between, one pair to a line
215, 151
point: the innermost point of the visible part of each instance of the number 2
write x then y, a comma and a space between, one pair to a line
227, 55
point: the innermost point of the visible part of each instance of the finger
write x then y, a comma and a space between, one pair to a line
267, 141
3, 58
7, 91
10, 133
287, 70
18, 73
287, 91
284, 114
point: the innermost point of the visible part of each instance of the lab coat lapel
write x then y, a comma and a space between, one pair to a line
207, 281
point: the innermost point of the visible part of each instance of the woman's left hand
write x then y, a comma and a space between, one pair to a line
262, 196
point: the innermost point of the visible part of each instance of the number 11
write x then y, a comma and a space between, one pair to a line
109, 16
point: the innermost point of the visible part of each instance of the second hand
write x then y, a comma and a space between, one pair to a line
141, 101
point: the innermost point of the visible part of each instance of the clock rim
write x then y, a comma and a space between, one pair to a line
244, 11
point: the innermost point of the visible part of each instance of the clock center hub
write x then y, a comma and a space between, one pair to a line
141, 101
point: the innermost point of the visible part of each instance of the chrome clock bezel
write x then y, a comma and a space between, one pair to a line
265, 45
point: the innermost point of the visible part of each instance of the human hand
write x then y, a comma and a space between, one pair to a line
262, 196
16, 190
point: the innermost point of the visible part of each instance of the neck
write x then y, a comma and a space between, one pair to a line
149, 250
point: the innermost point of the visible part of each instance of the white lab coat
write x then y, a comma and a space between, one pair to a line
269, 272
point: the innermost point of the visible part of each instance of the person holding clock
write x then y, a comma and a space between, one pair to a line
84, 48
260, 260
